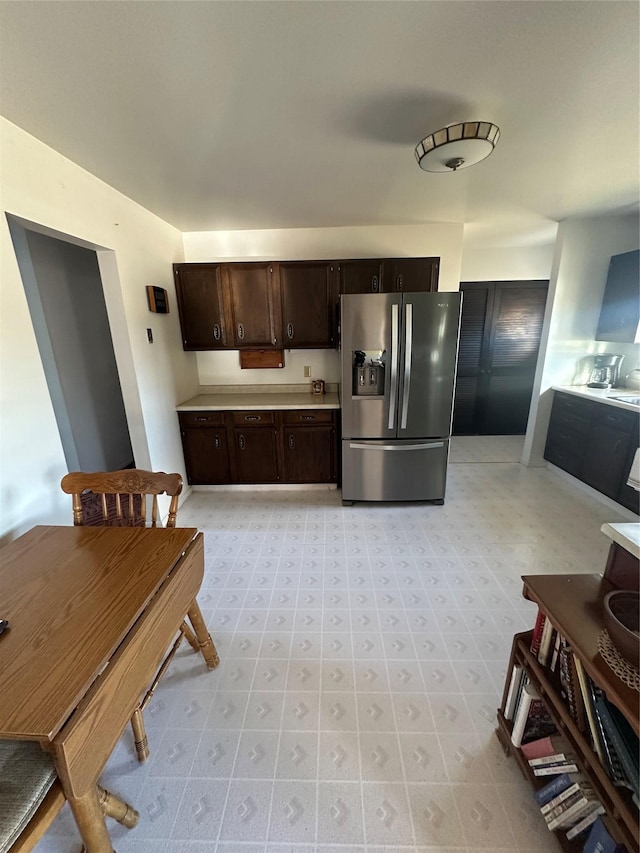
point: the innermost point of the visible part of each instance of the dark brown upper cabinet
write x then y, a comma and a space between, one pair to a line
364, 276
255, 305
620, 313
202, 306
411, 275
309, 298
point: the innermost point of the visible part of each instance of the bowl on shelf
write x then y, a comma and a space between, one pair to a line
622, 621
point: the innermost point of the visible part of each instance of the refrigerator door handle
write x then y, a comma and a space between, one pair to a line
395, 353
355, 445
408, 343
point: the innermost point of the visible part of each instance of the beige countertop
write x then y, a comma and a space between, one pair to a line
626, 534
602, 395
222, 398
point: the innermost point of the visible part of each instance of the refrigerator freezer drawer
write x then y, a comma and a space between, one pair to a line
412, 470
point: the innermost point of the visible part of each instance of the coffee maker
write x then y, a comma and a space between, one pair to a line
605, 372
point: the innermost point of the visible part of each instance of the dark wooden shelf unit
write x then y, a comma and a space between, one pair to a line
573, 604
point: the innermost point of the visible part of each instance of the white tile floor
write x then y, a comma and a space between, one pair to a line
363, 655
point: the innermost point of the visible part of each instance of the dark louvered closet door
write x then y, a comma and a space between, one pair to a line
470, 354
494, 397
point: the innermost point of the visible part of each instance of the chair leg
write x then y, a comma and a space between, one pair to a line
116, 808
209, 652
191, 637
140, 735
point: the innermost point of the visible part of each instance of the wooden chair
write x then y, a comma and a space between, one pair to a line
119, 499
31, 796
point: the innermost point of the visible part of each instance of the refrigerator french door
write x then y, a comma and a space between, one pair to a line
399, 354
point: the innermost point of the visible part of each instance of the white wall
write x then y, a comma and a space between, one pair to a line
582, 253
508, 263
293, 244
135, 248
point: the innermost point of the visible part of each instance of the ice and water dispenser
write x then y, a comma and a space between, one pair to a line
368, 373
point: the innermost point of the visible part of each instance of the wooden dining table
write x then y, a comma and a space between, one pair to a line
91, 612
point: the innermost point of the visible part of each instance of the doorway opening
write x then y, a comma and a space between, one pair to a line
65, 295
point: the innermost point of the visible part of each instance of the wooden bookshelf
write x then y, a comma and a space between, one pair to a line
573, 604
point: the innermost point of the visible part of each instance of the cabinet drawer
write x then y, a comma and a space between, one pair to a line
201, 419
247, 419
570, 462
615, 418
567, 437
307, 416
573, 412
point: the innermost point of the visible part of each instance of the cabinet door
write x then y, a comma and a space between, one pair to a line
309, 299
309, 454
255, 457
255, 305
620, 311
361, 276
410, 275
205, 455
499, 342
201, 306
605, 459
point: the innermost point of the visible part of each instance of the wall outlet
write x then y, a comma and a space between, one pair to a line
307, 371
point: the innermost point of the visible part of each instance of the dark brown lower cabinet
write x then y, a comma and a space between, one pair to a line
297, 446
204, 441
596, 443
309, 454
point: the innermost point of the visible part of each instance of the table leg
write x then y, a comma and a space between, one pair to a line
117, 809
90, 821
205, 642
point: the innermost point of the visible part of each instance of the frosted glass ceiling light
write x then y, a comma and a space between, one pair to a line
457, 146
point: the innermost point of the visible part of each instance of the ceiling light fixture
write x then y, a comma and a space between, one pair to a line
457, 146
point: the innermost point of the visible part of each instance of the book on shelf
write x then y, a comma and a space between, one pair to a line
569, 687
538, 628
546, 642
574, 811
552, 789
592, 726
531, 720
600, 841
623, 744
584, 823
556, 651
554, 769
578, 786
513, 694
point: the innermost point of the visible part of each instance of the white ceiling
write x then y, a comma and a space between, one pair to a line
251, 115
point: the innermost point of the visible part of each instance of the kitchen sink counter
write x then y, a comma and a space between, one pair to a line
225, 398
626, 534
603, 395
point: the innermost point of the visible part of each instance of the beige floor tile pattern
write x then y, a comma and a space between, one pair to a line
363, 656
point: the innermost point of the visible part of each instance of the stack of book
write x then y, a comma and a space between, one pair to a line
568, 803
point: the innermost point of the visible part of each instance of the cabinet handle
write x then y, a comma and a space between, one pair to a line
307, 417
399, 283
241, 442
216, 442
216, 332
240, 331
292, 443
290, 331
253, 417
274, 340
375, 284
202, 418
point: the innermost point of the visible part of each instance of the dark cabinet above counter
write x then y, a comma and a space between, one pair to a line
283, 304
620, 312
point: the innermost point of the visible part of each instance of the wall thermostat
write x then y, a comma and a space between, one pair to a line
158, 299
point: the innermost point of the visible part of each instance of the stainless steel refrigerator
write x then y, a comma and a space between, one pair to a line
399, 355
